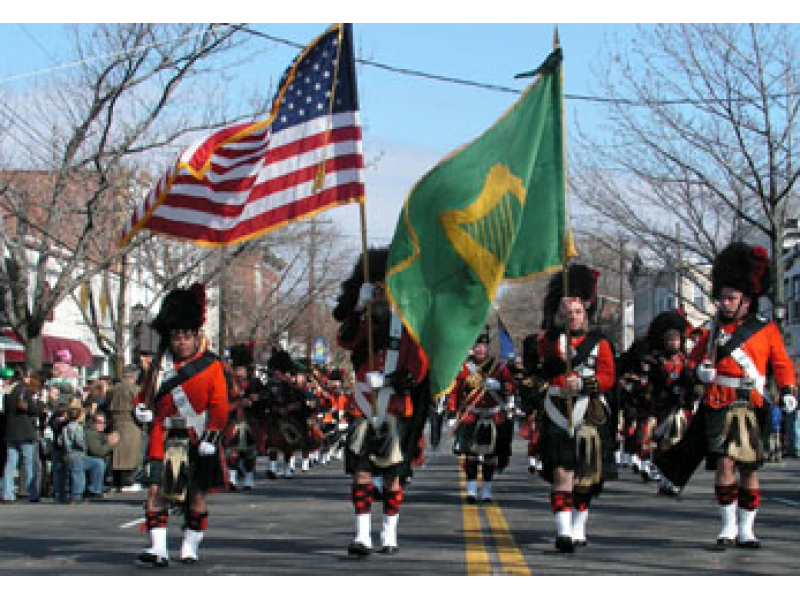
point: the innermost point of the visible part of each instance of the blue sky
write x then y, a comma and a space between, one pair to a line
409, 123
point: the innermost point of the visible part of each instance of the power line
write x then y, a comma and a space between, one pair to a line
410, 73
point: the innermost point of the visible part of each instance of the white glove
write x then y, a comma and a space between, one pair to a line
364, 296
375, 380
706, 373
789, 403
142, 413
206, 449
492, 384
451, 423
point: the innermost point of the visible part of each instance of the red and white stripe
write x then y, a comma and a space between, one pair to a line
244, 181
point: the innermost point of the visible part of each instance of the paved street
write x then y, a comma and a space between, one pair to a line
301, 526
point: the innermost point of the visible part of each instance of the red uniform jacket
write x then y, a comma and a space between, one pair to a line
547, 349
463, 396
765, 348
410, 359
207, 393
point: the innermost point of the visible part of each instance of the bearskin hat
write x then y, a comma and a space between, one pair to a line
485, 336
581, 282
348, 298
241, 355
669, 319
181, 309
281, 361
742, 267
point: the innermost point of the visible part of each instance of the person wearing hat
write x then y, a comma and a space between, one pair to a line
191, 403
390, 390
477, 406
733, 360
579, 422
671, 399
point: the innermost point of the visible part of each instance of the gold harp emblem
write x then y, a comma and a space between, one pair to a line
483, 233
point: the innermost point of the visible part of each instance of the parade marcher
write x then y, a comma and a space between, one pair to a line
387, 383
733, 360
579, 423
478, 408
671, 399
633, 374
184, 456
240, 435
531, 391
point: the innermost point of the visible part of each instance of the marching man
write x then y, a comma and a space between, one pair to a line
579, 426
376, 443
733, 359
190, 409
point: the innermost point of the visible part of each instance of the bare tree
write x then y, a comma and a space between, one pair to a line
140, 91
699, 148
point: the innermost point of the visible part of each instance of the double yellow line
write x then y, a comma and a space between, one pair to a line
478, 559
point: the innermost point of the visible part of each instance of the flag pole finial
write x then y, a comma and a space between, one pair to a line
556, 40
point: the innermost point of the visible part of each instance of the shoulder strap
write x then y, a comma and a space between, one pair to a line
185, 373
751, 326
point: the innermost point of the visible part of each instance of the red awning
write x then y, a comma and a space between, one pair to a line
81, 355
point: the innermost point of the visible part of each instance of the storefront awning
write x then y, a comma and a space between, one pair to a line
81, 355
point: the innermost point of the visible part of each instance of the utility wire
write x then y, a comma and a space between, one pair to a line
412, 73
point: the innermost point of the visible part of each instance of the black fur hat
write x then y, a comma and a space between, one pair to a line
742, 267
582, 282
669, 319
485, 336
281, 361
181, 309
348, 298
241, 355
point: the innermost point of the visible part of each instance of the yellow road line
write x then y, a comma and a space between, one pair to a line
478, 562
477, 556
507, 549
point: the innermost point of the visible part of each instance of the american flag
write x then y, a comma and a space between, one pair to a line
248, 179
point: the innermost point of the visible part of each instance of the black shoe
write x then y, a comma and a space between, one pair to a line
565, 544
145, 559
471, 499
358, 549
231, 488
271, 475
377, 494
248, 488
94, 496
389, 550
580, 543
488, 500
723, 542
189, 560
749, 544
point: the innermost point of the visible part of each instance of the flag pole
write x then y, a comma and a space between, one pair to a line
565, 260
365, 263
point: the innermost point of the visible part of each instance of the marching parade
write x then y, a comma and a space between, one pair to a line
672, 421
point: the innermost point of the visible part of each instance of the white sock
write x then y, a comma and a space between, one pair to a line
389, 530
304, 466
363, 529
232, 476
564, 523
729, 525
472, 487
747, 519
377, 482
486, 490
579, 519
158, 542
249, 476
191, 543
273, 466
